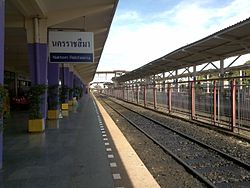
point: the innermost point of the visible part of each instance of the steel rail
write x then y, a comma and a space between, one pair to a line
223, 154
179, 160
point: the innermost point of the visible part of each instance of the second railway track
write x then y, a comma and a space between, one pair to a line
209, 165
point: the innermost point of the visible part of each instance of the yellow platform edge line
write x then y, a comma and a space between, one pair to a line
138, 173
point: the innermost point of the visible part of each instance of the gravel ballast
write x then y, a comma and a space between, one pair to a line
166, 171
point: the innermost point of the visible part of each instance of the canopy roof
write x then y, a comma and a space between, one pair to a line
231, 41
88, 15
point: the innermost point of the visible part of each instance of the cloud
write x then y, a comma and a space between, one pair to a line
130, 15
135, 39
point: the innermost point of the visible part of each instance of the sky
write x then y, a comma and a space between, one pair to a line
144, 30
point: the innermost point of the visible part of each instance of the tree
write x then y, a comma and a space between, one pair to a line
246, 73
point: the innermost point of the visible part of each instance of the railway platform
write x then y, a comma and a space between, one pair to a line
85, 149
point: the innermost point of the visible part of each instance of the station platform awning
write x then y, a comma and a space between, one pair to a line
86, 15
229, 42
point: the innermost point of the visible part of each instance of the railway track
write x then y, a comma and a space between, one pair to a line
208, 164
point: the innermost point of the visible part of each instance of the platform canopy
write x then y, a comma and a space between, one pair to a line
231, 41
84, 15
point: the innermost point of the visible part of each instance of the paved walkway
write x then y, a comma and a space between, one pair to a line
70, 153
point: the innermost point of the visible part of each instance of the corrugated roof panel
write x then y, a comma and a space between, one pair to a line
228, 42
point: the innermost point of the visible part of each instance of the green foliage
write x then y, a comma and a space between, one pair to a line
247, 62
35, 98
201, 77
53, 93
232, 74
213, 76
246, 72
3, 98
78, 91
64, 92
3, 95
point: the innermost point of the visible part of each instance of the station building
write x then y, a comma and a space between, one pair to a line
25, 60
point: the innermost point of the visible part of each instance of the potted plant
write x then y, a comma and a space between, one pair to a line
53, 101
36, 121
75, 95
64, 92
78, 92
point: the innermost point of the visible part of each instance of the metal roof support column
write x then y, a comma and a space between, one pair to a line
2, 13
221, 88
215, 103
208, 90
123, 91
119, 89
130, 96
137, 92
128, 91
193, 100
141, 89
169, 98
147, 87
145, 93
194, 73
154, 93
133, 92
222, 72
233, 107
163, 82
176, 81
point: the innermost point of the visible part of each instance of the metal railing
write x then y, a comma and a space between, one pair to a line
219, 102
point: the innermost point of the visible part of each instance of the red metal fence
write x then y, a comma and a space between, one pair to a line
224, 103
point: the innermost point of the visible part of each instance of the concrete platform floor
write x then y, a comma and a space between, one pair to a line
70, 153
77, 151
